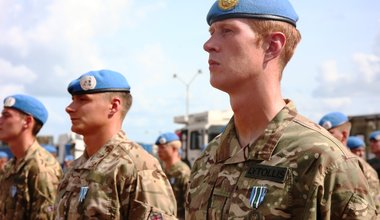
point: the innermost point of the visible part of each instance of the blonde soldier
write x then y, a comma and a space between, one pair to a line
28, 187
115, 178
339, 126
176, 170
270, 162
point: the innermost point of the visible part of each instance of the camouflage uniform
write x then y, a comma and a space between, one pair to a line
375, 163
120, 181
373, 181
178, 176
295, 170
29, 187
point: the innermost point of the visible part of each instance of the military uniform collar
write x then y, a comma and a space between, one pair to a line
262, 149
29, 154
94, 160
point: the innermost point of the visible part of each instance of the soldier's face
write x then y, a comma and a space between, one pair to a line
375, 146
235, 58
359, 152
164, 152
88, 113
3, 161
12, 123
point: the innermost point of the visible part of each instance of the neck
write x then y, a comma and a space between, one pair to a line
95, 141
171, 161
253, 110
20, 146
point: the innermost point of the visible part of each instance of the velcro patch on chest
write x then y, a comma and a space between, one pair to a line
265, 172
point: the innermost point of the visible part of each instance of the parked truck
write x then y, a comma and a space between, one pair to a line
198, 130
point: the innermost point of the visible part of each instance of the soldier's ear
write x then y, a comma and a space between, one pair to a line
115, 105
274, 44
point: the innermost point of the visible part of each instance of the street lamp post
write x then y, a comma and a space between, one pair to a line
187, 84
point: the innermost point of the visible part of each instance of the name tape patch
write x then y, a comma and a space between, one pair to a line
264, 172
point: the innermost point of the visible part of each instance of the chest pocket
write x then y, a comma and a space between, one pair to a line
263, 191
93, 199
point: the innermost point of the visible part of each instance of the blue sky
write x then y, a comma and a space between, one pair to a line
47, 43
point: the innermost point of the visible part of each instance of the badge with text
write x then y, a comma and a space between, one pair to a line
265, 172
257, 196
82, 193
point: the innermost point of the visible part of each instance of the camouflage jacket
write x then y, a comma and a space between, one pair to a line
178, 176
373, 181
295, 170
29, 187
120, 181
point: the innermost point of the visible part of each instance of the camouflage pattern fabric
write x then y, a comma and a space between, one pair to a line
295, 170
373, 181
375, 163
29, 187
178, 176
120, 181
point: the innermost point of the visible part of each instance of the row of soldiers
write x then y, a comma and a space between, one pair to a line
270, 162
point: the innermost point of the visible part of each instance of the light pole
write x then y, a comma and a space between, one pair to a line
187, 84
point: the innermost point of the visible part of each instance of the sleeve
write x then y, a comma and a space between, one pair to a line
340, 196
147, 194
43, 192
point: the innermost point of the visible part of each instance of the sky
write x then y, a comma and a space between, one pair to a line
45, 44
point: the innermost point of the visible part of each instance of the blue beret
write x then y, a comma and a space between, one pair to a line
354, 142
280, 10
333, 120
375, 135
29, 105
167, 138
3, 154
99, 81
50, 148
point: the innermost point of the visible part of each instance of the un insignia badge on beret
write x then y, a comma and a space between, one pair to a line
88, 82
9, 102
227, 4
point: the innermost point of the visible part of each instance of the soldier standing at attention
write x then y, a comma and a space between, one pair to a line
270, 162
28, 187
339, 126
374, 143
115, 178
175, 169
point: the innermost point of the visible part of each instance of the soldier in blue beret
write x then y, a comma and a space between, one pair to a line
30, 180
115, 178
177, 171
374, 141
337, 124
357, 146
270, 162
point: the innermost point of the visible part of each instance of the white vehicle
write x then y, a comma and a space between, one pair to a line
70, 143
199, 130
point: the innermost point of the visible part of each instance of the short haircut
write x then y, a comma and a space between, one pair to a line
264, 27
126, 101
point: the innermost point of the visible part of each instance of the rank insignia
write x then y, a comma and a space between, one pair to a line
13, 191
257, 196
82, 193
227, 4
